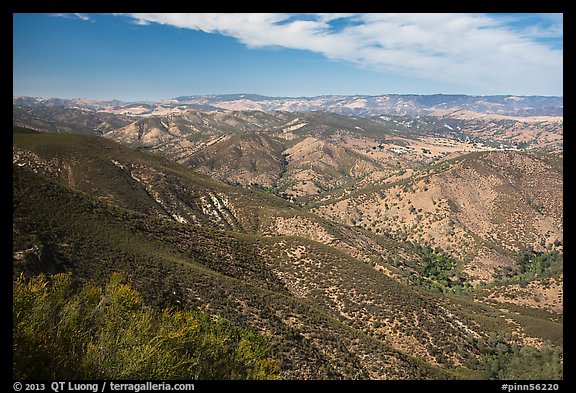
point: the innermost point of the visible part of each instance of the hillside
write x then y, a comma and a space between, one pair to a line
339, 166
324, 161
482, 208
249, 158
63, 119
154, 185
301, 155
91, 206
216, 271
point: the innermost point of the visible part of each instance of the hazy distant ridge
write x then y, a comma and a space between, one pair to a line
354, 105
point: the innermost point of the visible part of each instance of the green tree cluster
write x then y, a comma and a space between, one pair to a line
503, 359
63, 330
532, 265
531, 262
438, 270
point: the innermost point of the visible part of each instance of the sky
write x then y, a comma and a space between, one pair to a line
158, 56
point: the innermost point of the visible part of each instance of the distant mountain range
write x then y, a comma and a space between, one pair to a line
353, 105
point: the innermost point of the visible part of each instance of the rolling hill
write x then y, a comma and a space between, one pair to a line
68, 120
324, 295
483, 208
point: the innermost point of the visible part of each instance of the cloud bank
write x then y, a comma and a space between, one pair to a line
498, 55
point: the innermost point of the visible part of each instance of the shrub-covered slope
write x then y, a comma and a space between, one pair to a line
92, 207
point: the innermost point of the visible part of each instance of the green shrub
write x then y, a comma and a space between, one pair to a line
64, 331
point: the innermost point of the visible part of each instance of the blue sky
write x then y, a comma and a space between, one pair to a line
156, 56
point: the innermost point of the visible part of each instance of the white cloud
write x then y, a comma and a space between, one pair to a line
475, 50
74, 15
82, 16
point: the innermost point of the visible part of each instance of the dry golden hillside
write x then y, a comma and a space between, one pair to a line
482, 208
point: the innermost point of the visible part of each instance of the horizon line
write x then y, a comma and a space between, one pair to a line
289, 97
